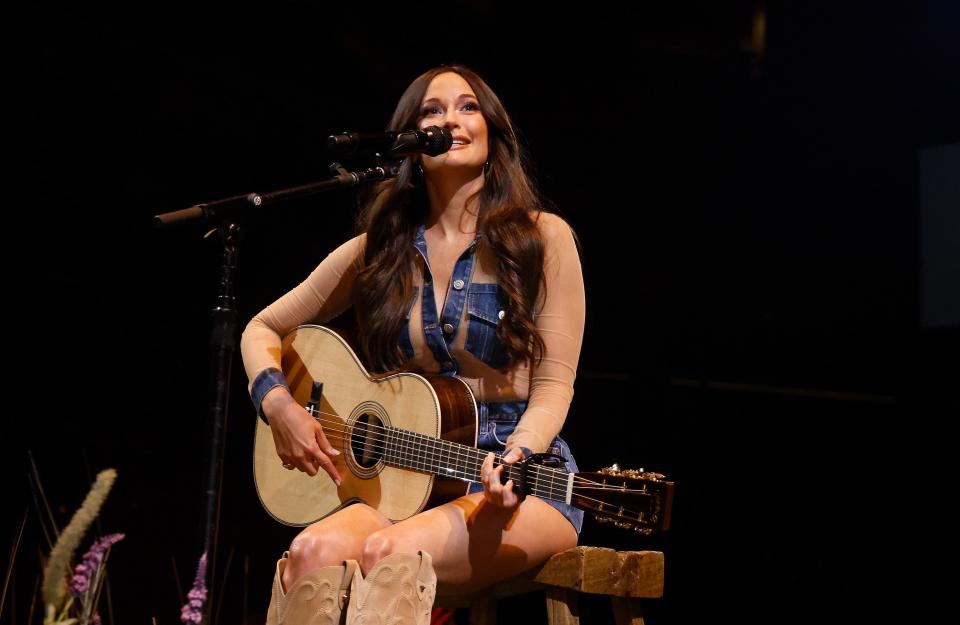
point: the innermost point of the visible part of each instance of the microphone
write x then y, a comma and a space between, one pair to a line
432, 140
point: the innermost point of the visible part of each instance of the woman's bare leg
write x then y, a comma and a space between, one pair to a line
474, 544
329, 542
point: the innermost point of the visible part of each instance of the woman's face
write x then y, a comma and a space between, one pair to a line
450, 103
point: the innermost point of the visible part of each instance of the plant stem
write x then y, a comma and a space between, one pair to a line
13, 556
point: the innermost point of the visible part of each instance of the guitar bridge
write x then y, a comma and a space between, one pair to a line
316, 394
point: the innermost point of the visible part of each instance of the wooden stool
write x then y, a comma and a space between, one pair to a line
624, 576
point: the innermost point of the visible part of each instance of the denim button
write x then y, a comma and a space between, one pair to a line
447, 328
447, 366
458, 284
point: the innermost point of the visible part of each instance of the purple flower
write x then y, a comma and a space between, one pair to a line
87, 569
192, 611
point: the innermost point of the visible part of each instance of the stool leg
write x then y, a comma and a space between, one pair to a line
626, 611
483, 611
562, 607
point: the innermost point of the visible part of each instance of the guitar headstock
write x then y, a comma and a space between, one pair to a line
628, 498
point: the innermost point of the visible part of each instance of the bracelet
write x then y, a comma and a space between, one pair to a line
266, 380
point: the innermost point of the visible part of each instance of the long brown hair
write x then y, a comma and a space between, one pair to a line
508, 206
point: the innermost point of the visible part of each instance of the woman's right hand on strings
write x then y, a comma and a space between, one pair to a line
298, 436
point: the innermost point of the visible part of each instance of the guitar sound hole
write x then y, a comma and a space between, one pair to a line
366, 440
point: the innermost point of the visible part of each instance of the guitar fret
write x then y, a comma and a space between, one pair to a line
450, 471
386, 441
408, 450
441, 463
463, 457
427, 452
547, 489
395, 455
477, 463
424, 453
415, 451
411, 451
435, 449
418, 451
398, 447
407, 455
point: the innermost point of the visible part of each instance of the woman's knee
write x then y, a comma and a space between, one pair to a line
376, 547
336, 538
314, 549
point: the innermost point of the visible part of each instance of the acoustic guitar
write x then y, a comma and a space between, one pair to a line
408, 441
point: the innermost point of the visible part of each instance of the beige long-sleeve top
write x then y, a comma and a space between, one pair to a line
547, 386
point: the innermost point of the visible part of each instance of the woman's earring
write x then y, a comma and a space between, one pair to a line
486, 167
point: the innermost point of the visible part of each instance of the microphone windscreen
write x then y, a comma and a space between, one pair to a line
439, 140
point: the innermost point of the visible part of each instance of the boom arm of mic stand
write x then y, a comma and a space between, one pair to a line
233, 207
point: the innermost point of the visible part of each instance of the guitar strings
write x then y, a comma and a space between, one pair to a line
466, 464
545, 482
461, 450
556, 489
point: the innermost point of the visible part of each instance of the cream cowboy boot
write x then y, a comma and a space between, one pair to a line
317, 598
398, 590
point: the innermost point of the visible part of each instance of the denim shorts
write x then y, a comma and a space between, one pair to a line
497, 420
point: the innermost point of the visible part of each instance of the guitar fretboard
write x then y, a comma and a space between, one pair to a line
417, 452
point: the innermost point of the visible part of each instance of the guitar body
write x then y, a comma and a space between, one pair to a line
352, 408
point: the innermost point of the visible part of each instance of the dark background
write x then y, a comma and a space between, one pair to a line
749, 206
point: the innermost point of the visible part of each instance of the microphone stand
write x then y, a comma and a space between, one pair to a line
219, 211
226, 214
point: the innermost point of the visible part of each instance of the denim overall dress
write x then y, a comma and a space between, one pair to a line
497, 420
